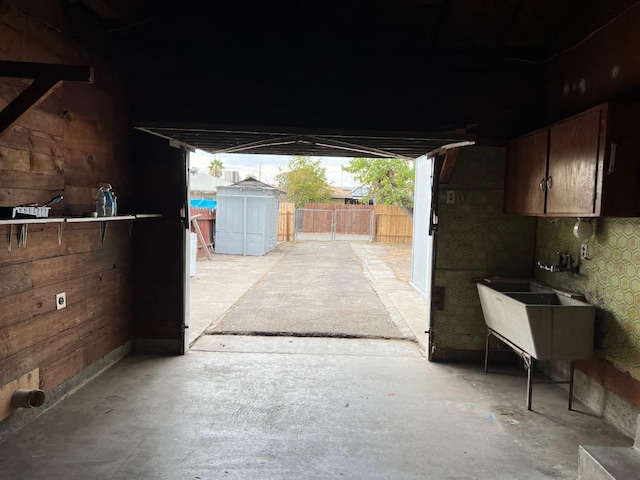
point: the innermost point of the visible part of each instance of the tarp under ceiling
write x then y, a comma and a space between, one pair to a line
216, 139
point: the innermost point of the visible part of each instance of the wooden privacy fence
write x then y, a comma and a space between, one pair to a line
391, 224
286, 223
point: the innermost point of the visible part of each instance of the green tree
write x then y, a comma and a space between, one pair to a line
389, 181
215, 167
305, 182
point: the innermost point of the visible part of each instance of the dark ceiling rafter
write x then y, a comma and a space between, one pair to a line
443, 12
102, 8
46, 78
508, 28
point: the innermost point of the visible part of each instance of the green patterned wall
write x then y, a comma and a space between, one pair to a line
475, 239
610, 281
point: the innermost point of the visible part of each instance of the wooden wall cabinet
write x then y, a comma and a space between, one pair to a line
585, 166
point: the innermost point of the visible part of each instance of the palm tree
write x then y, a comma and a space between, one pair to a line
215, 167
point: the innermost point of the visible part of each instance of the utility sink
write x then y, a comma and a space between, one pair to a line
535, 298
545, 323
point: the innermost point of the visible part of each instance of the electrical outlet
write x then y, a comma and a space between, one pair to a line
451, 196
584, 252
61, 300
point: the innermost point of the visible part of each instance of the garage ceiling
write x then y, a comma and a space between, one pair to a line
339, 65
466, 33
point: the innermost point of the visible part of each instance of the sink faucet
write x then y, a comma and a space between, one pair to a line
565, 264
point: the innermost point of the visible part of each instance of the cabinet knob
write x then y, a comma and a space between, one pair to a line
542, 185
549, 183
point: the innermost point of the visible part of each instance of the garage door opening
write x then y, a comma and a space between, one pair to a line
303, 287
325, 280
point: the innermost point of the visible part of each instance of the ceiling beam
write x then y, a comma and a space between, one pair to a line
46, 78
71, 73
443, 13
506, 31
28, 99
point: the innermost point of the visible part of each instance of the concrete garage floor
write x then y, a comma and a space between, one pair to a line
288, 407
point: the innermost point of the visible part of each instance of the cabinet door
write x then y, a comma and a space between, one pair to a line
526, 174
573, 165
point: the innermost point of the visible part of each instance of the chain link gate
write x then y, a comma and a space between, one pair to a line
340, 224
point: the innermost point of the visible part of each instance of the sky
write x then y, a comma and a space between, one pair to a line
266, 167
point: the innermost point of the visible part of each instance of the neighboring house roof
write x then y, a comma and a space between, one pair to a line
360, 192
340, 192
203, 182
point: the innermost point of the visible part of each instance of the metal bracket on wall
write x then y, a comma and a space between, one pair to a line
22, 229
103, 231
22, 235
46, 78
9, 232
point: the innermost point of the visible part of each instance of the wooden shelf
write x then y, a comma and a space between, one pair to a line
26, 221
99, 219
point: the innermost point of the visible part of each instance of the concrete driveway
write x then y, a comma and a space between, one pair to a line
313, 289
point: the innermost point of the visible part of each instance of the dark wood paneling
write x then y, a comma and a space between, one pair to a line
63, 369
19, 337
31, 181
67, 145
23, 138
16, 279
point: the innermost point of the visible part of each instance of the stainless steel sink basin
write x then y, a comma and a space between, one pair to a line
524, 286
543, 322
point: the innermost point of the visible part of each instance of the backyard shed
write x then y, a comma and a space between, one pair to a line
247, 218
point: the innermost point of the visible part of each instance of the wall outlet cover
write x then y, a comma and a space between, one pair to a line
451, 196
61, 300
584, 253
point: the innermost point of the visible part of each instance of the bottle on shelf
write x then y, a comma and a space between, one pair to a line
114, 204
104, 201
